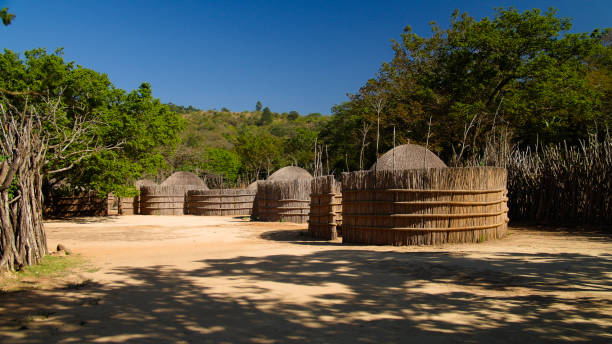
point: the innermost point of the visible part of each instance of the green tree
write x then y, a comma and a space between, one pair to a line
293, 115
521, 71
259, 151
258, 106
7, 17
266, 116
222, 162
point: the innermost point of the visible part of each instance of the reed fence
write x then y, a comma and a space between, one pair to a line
220, 202
129, 205
164, 200
285, 201
562, 185
325, 218
83, 204
424, 206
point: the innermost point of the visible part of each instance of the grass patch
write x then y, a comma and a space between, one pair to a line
48, 273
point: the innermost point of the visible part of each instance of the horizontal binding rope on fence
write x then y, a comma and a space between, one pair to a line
440, 229
430, 191
503, 200
432, 216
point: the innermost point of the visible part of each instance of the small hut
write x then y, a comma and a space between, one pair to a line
325, 218
407, 157
289, 173
424, 206
169, 198
284, 196
130, 205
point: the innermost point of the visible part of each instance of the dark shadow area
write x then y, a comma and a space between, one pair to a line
83, 220
361, 297
297, 236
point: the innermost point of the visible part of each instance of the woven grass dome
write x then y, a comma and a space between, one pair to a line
407, 157
184, 178
289, 173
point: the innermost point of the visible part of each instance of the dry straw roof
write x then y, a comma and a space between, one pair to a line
289, 173
407, 157
184, 178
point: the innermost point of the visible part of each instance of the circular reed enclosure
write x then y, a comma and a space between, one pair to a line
220, 202
164, 200
425, 206
285, 201
325, 218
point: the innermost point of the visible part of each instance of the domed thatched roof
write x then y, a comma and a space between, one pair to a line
144, 182
407, 157
184, 178
289, 173
252, 186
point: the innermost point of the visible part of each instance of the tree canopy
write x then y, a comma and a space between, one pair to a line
520, 71
124, 133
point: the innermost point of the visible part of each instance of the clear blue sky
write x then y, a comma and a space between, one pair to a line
291, 55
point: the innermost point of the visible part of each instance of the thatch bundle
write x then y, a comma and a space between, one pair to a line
289, 173
164, 200
325, 216
220, 202
407, 157
185, 178
285, 201
424, 206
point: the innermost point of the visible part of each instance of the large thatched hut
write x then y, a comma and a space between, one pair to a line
406, 157
325, 218
284, 196
169, 198
184, 178
424, 206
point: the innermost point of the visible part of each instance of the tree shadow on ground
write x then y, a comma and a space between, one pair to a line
348, 296
83, 220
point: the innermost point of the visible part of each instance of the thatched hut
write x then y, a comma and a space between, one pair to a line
325, 218
289, 173
285, 201
407, 157
185, 178
424, 206
220, 202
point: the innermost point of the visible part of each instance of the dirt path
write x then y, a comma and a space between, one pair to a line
223, 280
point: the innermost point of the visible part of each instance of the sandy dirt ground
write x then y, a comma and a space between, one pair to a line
188, 279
